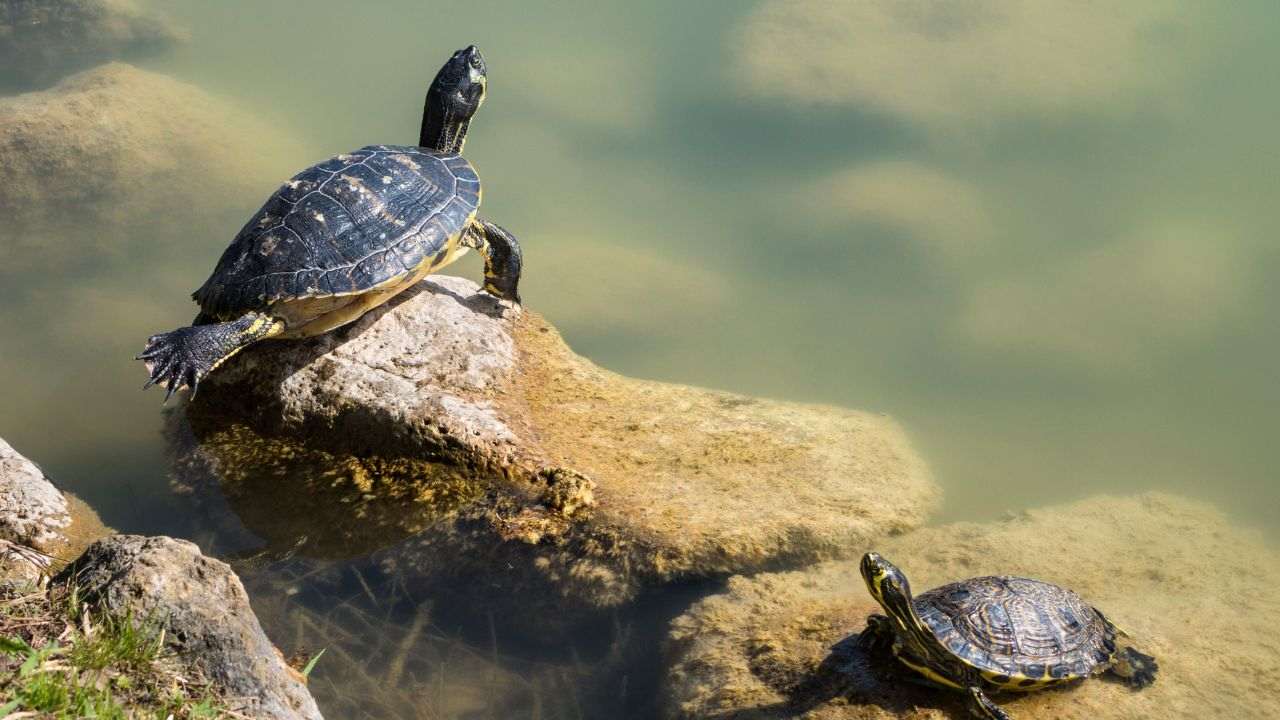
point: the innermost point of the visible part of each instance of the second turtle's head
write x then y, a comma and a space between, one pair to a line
887, 585
459, 87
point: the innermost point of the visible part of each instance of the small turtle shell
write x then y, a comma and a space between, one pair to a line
1017, 632
343, 227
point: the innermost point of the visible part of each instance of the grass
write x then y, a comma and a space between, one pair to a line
60, 660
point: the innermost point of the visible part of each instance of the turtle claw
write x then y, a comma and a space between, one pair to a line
183, 357
171, 363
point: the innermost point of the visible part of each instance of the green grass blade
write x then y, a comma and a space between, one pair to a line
14, 646
311, 664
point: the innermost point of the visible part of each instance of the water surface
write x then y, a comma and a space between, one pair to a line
1043, 240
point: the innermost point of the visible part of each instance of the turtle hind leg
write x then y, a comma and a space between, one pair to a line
503, 258
1138, 670
184, 356
982, 706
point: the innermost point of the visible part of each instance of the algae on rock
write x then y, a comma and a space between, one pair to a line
611, 483
1190, 588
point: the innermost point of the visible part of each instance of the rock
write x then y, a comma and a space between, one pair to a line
38, 523
32, 511
1188, 586
345, 506
205, 613
115, 159
42, 41
610, 483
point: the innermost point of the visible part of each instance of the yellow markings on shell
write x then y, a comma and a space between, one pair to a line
1009, 682
1015, 683
928, 672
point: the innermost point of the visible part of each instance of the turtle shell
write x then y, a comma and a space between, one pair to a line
343, 227
1020, 634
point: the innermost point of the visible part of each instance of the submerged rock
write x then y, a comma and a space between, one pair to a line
111, 157
1188, 586
604, 483
294, 498
205, 613
43, 40
39, 525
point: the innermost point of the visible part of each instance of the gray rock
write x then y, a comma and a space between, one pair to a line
41, 527
610, 483
205, 613
32, 511
1188, 586
423, 378
42, 41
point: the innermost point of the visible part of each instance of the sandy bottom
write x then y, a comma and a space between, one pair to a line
1191, 589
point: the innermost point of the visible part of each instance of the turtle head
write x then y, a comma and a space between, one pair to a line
453, 98
459, 86
888, 585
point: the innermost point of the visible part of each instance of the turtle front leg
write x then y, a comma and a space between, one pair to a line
502, 257
982, 706
184, 356
878, 635
1137, 669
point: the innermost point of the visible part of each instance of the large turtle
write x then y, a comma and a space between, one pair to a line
996, 633
346, 235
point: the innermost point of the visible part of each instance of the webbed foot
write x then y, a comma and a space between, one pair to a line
877, 636
1138, 670
503, 259
174, 360
982, 706
183, 357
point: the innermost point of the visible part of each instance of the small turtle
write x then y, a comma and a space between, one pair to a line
996, 633
345, 236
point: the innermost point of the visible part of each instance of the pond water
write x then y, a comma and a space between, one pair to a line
1040, 239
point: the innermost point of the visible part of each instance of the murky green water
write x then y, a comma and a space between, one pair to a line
1043, 240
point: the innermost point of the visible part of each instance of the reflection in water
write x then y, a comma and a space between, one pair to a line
381, 563
1044, 257
391, 652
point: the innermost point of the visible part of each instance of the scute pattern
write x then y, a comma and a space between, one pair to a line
343, 226
1018, 627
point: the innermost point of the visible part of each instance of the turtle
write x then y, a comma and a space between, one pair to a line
345, 236
996, 633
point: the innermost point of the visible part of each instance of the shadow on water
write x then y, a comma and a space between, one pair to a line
377, 562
